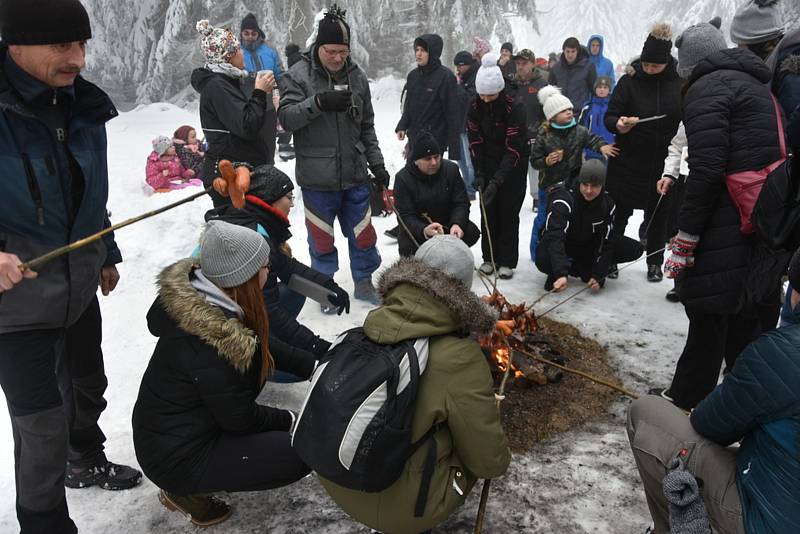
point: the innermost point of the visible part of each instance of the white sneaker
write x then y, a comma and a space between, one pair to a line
505, 272
486, 268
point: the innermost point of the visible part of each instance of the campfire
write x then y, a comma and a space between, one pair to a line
517, 328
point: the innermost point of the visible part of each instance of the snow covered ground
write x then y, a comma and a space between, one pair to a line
581, 481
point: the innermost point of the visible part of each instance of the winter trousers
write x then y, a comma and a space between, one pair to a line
712, 339
503, 222
251, 462
657, 432
656, 215
54, 382
538, 222
292, 303
625, 250
465, 164
351, 207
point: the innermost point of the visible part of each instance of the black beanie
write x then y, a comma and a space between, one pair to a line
42, 22
463, 58
269, 183
425, 145
571, 42
290, 49
507, 46
332, 28
658, 46
249, 22
593, 172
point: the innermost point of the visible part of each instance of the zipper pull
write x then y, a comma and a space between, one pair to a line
55, 97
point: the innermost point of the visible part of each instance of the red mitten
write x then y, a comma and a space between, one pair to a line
682, 255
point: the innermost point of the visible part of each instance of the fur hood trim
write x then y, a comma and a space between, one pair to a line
473, 313
662, 31
195, 316
791, 65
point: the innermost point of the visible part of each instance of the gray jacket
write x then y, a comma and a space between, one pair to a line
333, 149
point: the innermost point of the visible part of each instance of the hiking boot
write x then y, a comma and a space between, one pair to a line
486, 268
672, 295
364, 290
663, 393
202, 510
392, 232
614, 272
107, 475
328, 309
506, 273
654, 273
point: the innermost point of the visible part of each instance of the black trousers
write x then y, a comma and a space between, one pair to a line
712, 339
54, 382
582, 264
657, 215
503, 227
251, 462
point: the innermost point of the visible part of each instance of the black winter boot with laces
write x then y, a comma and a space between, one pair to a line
106, 475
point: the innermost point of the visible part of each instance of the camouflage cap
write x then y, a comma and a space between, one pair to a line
526, 54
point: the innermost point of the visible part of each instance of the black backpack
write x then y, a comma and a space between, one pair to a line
776, 214
354, 428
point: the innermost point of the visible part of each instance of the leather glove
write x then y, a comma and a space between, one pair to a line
682, 255
334, 100
341, 300
381, 178
489, 193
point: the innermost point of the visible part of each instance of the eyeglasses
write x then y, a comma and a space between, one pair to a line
341, 53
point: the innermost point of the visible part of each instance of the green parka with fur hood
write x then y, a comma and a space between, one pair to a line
455, 389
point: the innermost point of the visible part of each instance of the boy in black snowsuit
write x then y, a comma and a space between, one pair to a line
576, 239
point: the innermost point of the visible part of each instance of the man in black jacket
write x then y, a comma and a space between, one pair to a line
574, 73
577, 240
430, 198
467, 69
431, 100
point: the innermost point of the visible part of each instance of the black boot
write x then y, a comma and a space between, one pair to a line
672, 295
614, 272
393, 232
654, 273
106, 475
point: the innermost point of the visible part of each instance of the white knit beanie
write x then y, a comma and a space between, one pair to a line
230, 255
489, 80
552, 101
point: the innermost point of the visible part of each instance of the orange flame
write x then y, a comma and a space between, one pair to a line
501, 356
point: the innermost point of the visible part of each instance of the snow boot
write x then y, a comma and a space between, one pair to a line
661, 392
107, 475
486, 268
392, 232
654, 273
202, 510
505, 273
286, 152
614, 272
672, 295
364, 290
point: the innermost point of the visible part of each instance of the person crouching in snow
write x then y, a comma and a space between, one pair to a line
164, 169
594, 112
558, 151
576, 237
197, 428
266, 210
431, 198
498, 143
187, 146
429, 295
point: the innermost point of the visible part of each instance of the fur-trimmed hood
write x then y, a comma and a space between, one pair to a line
180, 310
419, 300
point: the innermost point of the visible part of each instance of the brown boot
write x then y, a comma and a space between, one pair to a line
201, 509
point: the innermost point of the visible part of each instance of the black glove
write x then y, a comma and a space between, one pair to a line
489, 193
381, 178
479, 181
341, 299
334, 100
320, 347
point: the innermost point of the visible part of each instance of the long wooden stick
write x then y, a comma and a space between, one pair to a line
66, 249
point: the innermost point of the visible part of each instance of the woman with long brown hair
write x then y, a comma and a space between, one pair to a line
197, 428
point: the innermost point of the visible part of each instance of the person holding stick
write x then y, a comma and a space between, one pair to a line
54, 191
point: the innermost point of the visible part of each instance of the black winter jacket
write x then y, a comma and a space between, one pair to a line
575, 80
632, 175
578, 231
239, 121
527, 94
731, 127
572, 141
442, 197
294, 341
497, 139
466, 94
201, 383
432, 102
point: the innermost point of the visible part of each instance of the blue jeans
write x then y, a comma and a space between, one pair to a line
786, 311
351, 207
538, 222
465, 164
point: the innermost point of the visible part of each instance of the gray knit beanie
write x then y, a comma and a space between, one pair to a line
697, 43
230, 255
450, 255
757, 21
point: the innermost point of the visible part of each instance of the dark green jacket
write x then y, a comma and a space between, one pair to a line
573, 141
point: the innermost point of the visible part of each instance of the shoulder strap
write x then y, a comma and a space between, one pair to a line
427, 470
781, 131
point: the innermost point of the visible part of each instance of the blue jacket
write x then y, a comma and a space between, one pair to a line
592, 116
263, 58
759, 404
35, 194
602, 64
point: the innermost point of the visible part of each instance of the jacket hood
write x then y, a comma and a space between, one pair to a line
434, 44
596, 59
789, 45
583, 57
181, 311
200, 78
420, 301
739, 59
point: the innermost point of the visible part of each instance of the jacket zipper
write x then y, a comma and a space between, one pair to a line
33, 188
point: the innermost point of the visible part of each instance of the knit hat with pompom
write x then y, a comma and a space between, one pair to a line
218, 44
552, 101
489, 80
658, 46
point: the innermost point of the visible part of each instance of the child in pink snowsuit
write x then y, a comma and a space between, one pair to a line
164, 169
